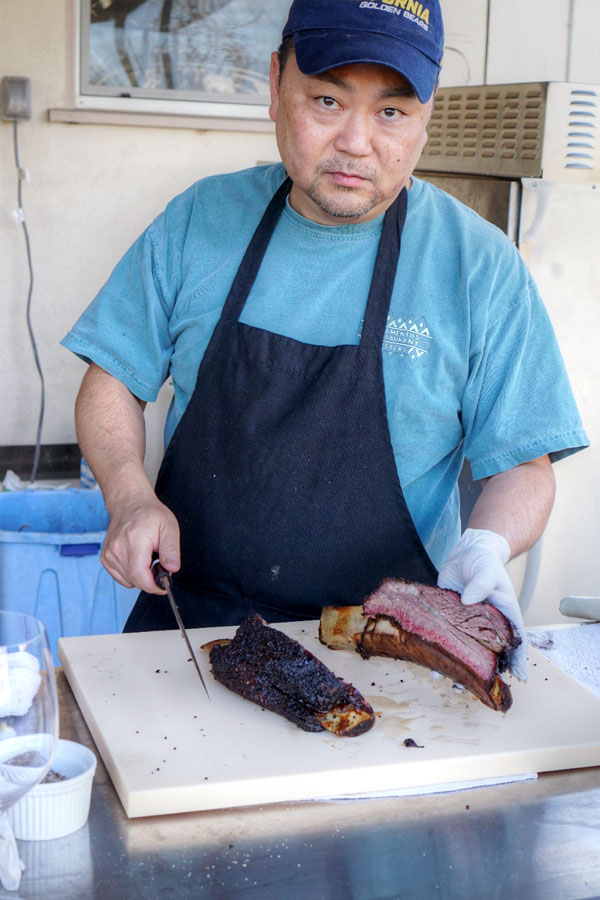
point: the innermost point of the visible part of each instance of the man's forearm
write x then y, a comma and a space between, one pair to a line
517, 503
111, 433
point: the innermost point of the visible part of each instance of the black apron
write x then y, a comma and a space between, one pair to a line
281, 471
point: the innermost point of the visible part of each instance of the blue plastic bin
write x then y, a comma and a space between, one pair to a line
50, 567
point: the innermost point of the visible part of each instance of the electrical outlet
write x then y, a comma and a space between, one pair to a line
16, 98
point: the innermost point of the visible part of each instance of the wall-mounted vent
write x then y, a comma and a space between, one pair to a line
547, 130
491, 130
583, 121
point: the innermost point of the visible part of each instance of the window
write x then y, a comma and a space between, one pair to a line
194, 57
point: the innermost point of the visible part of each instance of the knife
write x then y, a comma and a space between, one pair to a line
164, 581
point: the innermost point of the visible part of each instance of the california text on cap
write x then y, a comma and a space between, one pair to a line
404, 35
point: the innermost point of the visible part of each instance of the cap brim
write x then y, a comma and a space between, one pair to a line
319, 51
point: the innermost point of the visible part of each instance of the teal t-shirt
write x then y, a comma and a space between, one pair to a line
471, 364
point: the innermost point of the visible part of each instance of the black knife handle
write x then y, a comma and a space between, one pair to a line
159, 572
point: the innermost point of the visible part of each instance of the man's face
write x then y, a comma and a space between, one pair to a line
349, 138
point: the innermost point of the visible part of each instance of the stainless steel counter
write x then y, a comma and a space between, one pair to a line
526, 840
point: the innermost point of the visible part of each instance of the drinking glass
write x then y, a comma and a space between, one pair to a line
28, 724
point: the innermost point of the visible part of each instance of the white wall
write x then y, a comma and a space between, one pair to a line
527, 40
93, 188
584, 58
465, 23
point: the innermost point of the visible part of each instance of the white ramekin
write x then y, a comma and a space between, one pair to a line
57, 808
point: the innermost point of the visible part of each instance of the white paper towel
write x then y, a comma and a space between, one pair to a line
574, 649
19, 682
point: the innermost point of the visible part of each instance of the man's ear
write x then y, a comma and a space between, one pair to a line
274, 85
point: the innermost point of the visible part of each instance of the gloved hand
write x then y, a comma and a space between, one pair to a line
475, 569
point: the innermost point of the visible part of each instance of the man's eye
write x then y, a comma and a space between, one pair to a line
390, 113
327, 102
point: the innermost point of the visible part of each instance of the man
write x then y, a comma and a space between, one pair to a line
308, 458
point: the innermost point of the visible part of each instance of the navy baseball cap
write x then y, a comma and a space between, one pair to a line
404, 35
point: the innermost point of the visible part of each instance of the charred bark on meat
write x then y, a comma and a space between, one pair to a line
273, 670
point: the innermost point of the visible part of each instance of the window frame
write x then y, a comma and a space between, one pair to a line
162, 102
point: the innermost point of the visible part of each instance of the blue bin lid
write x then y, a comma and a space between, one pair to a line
47, 516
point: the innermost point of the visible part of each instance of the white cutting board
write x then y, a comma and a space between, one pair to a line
168, 749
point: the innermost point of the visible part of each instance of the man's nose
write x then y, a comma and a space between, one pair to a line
354, 135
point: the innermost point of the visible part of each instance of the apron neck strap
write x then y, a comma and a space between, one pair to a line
384, 274
253, 256
384, 271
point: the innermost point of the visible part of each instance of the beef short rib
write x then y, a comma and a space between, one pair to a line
432, 627
271, 669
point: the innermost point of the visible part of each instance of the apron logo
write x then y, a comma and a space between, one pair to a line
409, 337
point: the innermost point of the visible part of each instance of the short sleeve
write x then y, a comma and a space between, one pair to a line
518, 403
125, 329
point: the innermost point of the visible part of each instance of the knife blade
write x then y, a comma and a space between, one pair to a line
164, 581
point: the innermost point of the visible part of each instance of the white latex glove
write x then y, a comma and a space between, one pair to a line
475, 569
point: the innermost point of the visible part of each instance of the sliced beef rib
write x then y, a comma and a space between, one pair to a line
431, 627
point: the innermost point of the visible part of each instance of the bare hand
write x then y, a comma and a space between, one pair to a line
138, 528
